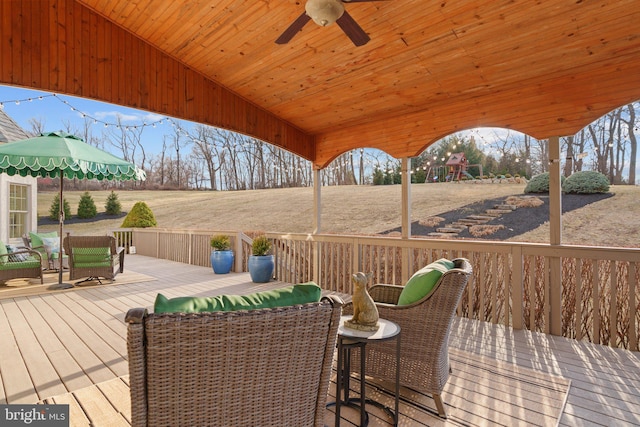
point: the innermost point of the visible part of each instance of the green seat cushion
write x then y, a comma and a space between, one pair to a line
30, 262
296, 294
423, 281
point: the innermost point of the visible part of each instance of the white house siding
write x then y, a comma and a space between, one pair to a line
11, 131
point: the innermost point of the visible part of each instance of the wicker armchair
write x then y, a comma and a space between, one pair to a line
30, 267
267, 367
93, 257
425, 324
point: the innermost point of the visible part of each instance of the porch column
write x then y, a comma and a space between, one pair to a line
317, 202
555, 192
406, 216
555, 236
317, 222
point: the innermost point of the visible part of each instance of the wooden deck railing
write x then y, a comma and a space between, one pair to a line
586, 293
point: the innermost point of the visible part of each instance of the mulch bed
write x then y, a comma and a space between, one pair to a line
515, 223
45, 220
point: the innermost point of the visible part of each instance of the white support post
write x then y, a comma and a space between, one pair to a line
406, 216
317, 202
555, 237
317, 222
555, 192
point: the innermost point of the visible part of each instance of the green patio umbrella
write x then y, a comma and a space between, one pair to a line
59, 154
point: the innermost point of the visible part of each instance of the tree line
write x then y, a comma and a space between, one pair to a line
207, 158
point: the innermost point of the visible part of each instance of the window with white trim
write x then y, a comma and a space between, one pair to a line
18, 210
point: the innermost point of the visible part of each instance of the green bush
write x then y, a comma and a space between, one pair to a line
54, 210
87, 207
113, 206
140, 216
261, 246
540, 183
220, 242
378, 177
586, 182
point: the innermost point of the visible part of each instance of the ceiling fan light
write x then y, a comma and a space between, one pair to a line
324, 12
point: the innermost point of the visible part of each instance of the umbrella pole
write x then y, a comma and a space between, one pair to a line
60, 285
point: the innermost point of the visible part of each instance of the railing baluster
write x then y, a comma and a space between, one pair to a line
496, 292
595, 277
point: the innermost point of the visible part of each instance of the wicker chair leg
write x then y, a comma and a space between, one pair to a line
440, 405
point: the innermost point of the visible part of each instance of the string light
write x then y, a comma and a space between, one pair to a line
82, 113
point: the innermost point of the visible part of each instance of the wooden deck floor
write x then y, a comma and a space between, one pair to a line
69, 341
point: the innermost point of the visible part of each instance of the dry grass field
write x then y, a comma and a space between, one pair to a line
352, 210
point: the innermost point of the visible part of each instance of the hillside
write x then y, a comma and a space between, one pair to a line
351, 210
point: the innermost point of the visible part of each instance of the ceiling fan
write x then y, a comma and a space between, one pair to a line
326, 12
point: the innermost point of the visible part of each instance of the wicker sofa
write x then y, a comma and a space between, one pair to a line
23, 263
262, 367
93, 257
425, 325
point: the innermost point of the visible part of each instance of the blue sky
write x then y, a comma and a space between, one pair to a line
54, 113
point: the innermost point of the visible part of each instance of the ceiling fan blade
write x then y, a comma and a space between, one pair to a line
352, 29
293, 29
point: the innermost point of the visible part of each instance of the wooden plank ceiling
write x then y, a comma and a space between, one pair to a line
431, 68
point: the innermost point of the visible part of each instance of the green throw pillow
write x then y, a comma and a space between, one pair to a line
296, 294
423, 281
3, 251
37, 239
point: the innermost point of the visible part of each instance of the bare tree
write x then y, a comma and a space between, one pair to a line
631, 123
206, 149
37, 126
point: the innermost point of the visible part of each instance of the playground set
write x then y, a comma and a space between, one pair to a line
453, 170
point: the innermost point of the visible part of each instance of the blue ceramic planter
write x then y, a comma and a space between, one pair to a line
261, 268
221, 261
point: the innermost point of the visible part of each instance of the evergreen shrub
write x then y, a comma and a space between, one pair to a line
140, 216
113, 206
540, 183
54, 210
87, 207
586, 182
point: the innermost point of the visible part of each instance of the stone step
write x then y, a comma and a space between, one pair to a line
459, 225
481, 217
468, 221
453, 230
498, 211
442, 234
506, 207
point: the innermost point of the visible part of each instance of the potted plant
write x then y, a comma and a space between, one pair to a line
261, 261
221, 254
